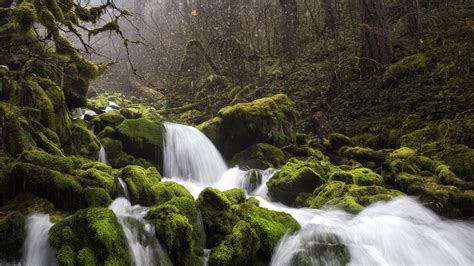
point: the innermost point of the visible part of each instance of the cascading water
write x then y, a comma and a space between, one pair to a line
122, 189
102, 155
36, 249
143, 246
189, 154
400, 231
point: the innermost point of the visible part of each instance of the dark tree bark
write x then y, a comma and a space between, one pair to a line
330, 15
413, 10
289, 28
375, 35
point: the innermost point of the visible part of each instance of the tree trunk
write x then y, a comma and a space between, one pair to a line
329, 14
290, 28
375, 35
412, 8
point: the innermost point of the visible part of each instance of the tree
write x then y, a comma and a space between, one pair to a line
289, 28
329, 14
375, 35
412, 9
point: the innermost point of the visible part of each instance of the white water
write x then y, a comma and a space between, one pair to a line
190, 155
36, 249
143, 246
111, 107
102, 155
122, 189
397, 232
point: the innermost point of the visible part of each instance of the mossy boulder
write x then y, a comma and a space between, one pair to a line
366, 177
321, 249
140, 183
109, 119
63, 190
142, 138
460, 159
176, 226
85, 142
27, 203
12, 237
96, 197
269, 120
295, 177
237, 248
260, 156
97, 178
351, 198
364, 155
409, 66
337, 141
165, 191
90, 235
224, 214
16, 136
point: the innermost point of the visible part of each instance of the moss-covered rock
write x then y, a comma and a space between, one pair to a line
109, 119
295, 177
12, 236
165, 191
63, 190
337, 141
140, 183
96, 197
27, 203
91, 235
260, 156
460, 159
321, 249
142, 138
268, 120
237, 248
223, 211
366, 177
408, 66
351, 198
44, 159
176, 225
364, 155
85, 142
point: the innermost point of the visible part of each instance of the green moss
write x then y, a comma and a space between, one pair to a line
58, 163
85, 142
460, 159
141, 184
107, 132
235, 196
238, 248
351, 198
90, 235
61, 189
142, 138
337, 141
222, 211
112, 147
366, 177
27, 203
96, 197
24, 15
408, 66
87, 257
109, 119
416, 139
176, 227
268, 120
364, 155
98, 178
12, 236
165, 191
295, 177
402, 153
260, 156
211, 128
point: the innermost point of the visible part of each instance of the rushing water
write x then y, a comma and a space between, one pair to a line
102, 155
143, 246
396, 232
190, 155
36, 249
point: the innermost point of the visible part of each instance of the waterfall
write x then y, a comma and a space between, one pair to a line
143, 246
398, 232
36, 249
102, 155
189, 154
122, 189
